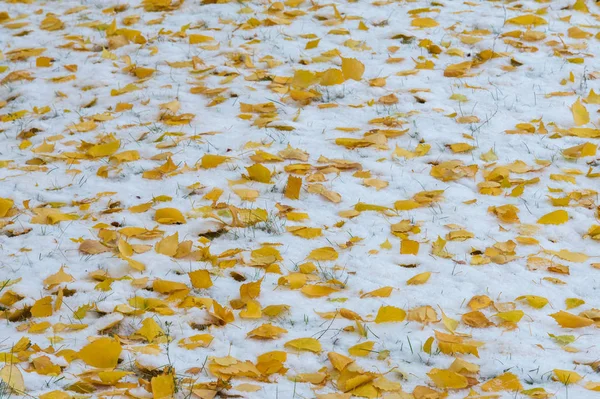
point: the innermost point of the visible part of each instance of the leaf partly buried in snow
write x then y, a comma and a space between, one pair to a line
13, 378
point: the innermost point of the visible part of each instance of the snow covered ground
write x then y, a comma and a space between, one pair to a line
299, 199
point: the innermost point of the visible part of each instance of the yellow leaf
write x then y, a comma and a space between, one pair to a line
382, 292
246, 194
151, 331
252, 310
304, 344
43, 62
458, 70
248, 387
390, 314
566, 377
504, 382
83, 126
423, 314
5, 205
556, 217
260, 173
271, 362
449, 323
292, 188
581, 115
112, 377
332, 77
537, 393
322, 254
424, 23
42, 307
513, 316
437, 248
140, 208
143, 73
489, 156
362, 349
303, 79
267, 331
92, 247
168, 287
576, 257
196, 341
200, 279
316, 291
593, 386
168, 245
312, 44
579, 151
275, 310
409, 247
419, 279
352, 68
212, 161
169, 216
377, 82
102, 353
265, 255
584, 132
163, 386
593, 98
104, 150
52, 23
406, 205
563, 339
461, 366
12, 377
350, 314
581, 6
363, 207
573, 302
476, 319
36, 328
44, 147
59, 277
529, 19
197, 38
568, 320
446, 379
305, 232
55, 395
534, 301
107, 55
124, 248
339, 361
295, 280
51, 216
386, 244
460, 147
427, 345
139, 266
250, 291
125, 156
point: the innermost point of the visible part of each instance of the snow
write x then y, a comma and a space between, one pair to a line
498, 97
